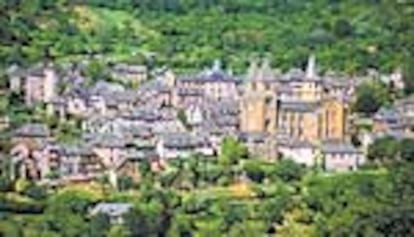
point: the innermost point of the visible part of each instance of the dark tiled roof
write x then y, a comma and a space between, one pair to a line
33, 130
144, 115
255, 137
183, 141
189, 92
112, 209
297, 106
387, 114
110, 141
74, 150
294, 143
216, 76
339, 147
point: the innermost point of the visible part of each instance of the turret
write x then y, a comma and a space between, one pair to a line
311, 67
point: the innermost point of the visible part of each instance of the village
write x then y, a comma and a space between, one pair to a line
156, 116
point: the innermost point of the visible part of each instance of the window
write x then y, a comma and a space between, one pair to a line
267, 124
268, 99
254, 86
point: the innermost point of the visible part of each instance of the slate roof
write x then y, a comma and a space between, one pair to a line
104, 87
252, 137
339, 147
387, 114
110, 141
144, 114
112, 209
117, 97
189, 92
294, 74
295, 143
298, 106
129, 68
73, 150
154, 85
139, 131
183, 141
138, 155
227, 121
33, 130
216, 76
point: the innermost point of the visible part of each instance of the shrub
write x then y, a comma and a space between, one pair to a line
36, 192
5, 184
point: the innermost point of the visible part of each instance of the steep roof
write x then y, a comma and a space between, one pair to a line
339, 147
299, 106
33, 130
112, 209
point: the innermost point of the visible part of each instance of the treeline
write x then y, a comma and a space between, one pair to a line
348, 35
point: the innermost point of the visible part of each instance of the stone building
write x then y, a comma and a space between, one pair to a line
296, 104
40, 85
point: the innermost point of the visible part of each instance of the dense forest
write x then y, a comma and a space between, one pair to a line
348, 35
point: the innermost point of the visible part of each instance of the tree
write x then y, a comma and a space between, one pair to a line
407, 149
370, 97
21, 185
232, 214
125, 183
231, 151
36, 192
342, 28
254, 171
182, 118
384, 150
99, 225
408, 74
5, 184
182, 226
97, 71
118, 231
144, 222
288, 171
271, 210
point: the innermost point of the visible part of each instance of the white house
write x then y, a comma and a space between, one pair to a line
299, 151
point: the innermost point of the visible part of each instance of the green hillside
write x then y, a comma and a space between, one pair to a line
345, 35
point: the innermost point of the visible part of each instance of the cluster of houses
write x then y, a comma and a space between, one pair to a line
297, 115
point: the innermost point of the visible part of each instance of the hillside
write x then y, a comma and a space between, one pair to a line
345, 35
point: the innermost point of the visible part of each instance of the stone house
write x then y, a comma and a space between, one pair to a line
183, 145
213, 83
129, 73
340, 156
115, 211
301, 152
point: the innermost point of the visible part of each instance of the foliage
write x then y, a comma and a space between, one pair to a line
181, 116
231, 151
407, 149
288, 171
36, 192
254, 171
384, 150
5, 184
145, 222
99, 225
370, 97
21, 185
125, 183
345, 35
